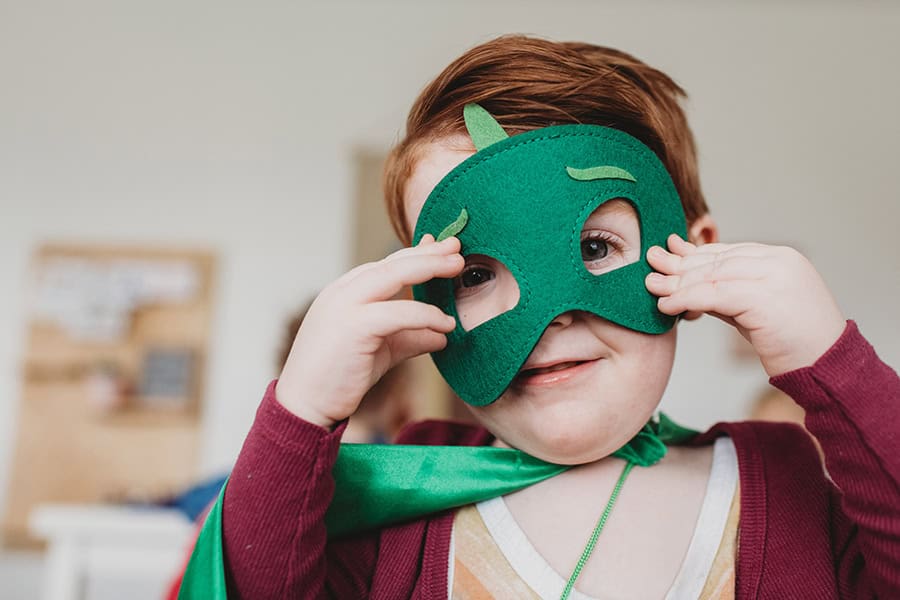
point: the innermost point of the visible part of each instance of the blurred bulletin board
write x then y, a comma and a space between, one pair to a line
425, 390
112, 377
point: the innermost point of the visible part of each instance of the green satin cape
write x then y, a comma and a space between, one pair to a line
379, 485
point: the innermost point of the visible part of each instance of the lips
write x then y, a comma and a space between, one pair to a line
556, 373
555, 367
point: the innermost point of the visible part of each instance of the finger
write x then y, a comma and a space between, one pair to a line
663, 261
725, 267
387, 278
722, 268
426, 246
677, 245
694, 315
661, 285
406, 344
392, 316
726, 298
691, 315
675, 263
726, 319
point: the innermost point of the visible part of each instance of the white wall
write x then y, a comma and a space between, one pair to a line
230, 125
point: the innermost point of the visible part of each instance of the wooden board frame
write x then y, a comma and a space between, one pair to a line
69, 449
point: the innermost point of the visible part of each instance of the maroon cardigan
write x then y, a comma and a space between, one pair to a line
800, 535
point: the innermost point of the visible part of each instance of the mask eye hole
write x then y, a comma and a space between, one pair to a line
611, 237
484, 289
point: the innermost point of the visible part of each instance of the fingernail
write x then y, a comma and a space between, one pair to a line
655, 277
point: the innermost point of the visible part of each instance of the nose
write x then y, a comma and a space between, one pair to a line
563, 320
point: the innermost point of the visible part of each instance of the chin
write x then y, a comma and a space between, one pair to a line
560, 456
566, 433
565, 441
573, 450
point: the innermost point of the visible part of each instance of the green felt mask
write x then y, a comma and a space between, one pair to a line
523, 200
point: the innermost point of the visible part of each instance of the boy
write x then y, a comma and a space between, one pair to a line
576, 381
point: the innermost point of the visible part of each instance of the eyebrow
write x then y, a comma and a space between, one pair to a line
604, 172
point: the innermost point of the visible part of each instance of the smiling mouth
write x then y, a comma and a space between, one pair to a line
552, 368
555, 373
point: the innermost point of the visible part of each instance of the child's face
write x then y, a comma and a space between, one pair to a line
583, 412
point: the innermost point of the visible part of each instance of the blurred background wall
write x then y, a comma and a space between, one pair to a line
233, 127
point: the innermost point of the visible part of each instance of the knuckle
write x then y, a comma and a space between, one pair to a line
327, 291
389, 269
365, 316
791, 254
355, 272
670, 284
715, 269
330, 295
402, 253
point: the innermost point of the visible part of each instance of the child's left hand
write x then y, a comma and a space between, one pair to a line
772, 294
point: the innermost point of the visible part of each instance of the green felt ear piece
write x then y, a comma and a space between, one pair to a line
482, 127
523, 200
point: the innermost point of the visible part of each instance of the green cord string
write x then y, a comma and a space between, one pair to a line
593, 541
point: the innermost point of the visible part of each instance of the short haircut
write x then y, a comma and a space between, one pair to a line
527, 83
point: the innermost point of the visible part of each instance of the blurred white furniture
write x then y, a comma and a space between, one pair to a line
144, 545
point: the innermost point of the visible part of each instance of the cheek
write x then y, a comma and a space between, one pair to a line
658, 354
646, 368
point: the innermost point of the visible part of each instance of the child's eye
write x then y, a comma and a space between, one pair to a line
604, 251
471, 279
472, 276
598, 245
593, 249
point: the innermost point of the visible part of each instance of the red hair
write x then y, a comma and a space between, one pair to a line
527, 83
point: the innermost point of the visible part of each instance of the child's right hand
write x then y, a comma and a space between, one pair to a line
355, 331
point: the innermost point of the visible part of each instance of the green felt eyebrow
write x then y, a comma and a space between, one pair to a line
482, 127
599, 173
454, 227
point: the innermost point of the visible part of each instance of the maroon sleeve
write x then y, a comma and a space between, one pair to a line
273, 512
852, 403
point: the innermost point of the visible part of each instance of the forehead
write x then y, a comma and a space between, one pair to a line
434, 161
